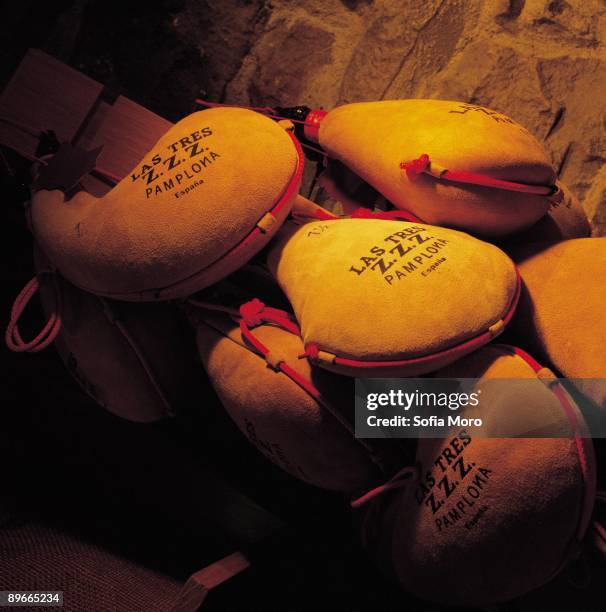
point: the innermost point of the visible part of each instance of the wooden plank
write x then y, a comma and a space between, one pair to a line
95, 186
44, 94
127, 132
88, 134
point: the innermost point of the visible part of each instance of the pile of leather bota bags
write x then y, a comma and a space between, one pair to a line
289, 302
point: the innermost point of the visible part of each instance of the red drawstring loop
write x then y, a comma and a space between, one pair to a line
252, 312
312, 352
285, 321
402, 478
255, 313
415, 167
422, 165
49, 332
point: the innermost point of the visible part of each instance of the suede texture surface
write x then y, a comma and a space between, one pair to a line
278, 417
197, 194
105, 364
564, 220
377, 290
373, 138
489, 518
561, 311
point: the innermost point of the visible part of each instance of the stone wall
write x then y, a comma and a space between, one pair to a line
543, 62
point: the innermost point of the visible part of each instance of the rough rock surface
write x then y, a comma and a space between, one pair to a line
543, 62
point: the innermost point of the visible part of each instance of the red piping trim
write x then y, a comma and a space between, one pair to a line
585, 452
586, 461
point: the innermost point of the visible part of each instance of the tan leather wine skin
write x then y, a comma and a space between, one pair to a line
376, 291
561, 310
374, 138
209, 194
489, 519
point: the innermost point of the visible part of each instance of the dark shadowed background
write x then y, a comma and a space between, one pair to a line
141, 491
543, 62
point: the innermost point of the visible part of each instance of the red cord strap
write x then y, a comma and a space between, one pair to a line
255, 313
584, 448
423, 165
315, 354
405, 476
370, 518
49, 332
